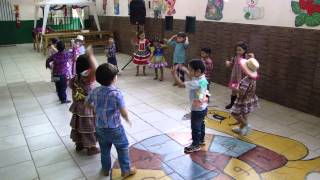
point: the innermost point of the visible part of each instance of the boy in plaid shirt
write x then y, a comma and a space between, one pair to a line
109, 105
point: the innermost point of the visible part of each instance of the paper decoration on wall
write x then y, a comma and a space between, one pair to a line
157, 7
252, 11
214, 10
116, 7
104, 6
170, 7
307, 11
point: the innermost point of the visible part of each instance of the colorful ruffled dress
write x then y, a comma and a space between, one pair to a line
158, 60
83, 117
142, 56
247, 100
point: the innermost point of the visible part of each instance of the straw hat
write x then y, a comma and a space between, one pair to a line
250, 67
80, 38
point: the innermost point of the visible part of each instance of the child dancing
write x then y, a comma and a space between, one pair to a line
236, 74
142, 56
198, 93
247, 100
158, 60
109, 104
111, 52
83, 118
61, 70
180, 42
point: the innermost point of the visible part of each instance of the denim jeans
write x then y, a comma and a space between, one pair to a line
117, 137
112, 60
61, 87
197, 126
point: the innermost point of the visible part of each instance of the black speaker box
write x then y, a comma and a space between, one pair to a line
169, 23
137, 12
191, 24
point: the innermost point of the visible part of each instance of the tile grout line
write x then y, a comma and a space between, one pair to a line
24, 135
69, 152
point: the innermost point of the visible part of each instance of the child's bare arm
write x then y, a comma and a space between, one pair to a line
172, 37
176, 78
124, 114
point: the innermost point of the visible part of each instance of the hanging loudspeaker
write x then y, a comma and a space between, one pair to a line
191, 24
169, 23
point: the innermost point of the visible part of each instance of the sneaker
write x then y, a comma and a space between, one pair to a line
133, 171
192, 148
65, 102
236, 130
202, 143
245, 130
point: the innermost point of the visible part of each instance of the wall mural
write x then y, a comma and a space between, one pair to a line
252, 11
307, 11
157, 7
104, 6
170, 7
214, 10
116, 7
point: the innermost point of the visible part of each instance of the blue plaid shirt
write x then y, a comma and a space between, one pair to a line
107, 102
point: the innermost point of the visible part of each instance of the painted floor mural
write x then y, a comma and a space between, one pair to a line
259, 155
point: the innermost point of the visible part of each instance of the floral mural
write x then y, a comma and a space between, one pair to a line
252, 11
307, 11
214, 10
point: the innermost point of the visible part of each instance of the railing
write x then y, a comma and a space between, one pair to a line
6, 13
63, 23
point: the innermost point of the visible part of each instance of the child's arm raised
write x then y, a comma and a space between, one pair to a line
92, 61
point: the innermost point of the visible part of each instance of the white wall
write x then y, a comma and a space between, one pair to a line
26, 8
277, 12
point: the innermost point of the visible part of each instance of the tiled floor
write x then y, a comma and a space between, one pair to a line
34, 126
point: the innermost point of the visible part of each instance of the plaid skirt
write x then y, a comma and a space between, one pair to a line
245, 106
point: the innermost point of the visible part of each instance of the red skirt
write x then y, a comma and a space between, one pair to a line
141, 57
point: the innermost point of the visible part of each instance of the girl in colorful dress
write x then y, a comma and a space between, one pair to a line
78, 49
83, 117
247, 100
236, 75
142, 56
157, 58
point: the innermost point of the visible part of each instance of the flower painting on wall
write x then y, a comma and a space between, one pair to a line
252, 11
307, 11
170, 7
214, 10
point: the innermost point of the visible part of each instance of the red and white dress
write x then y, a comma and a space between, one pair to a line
142, 56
